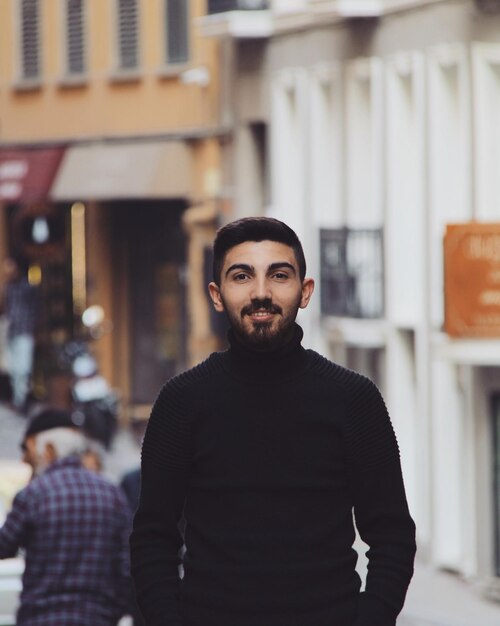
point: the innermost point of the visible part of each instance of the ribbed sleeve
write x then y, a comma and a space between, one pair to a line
377, 493
380, 506
155, 541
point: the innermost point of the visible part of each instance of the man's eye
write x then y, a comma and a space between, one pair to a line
280, 275
240, 277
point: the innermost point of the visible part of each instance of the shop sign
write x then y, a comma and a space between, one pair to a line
27, 175
472, 280
12, 173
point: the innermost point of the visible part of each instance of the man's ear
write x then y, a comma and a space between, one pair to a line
50, 453
214, 292
307, 292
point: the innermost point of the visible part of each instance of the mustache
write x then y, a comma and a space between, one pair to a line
257, 305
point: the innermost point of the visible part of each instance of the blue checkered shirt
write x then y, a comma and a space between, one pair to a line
74, 526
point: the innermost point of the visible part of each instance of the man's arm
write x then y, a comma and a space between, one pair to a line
13, 533
380, 508
155, 541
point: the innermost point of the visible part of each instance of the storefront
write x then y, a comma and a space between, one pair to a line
133, 197
37, 230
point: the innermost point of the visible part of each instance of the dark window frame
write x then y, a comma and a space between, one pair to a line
177, 36
352, 272
75, 38
128, 35
30, 35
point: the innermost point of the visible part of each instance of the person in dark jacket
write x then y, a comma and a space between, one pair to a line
268, 449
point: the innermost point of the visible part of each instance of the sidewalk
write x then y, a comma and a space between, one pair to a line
440, 599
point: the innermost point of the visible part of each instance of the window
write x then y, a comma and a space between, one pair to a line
352, 272
177, 31
30, 39
128, 34
75, 37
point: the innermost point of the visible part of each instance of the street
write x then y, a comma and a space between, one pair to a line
434, 598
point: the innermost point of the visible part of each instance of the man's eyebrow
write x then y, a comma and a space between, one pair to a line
240, 266
281, 265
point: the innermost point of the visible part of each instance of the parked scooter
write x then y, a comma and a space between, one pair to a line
95, 404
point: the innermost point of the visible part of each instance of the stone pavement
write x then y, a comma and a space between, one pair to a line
434, 598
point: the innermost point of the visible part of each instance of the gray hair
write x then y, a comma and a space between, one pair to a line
66, 442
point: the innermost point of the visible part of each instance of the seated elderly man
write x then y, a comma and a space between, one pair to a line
73, 525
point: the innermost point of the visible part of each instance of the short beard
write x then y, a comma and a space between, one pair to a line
262, 337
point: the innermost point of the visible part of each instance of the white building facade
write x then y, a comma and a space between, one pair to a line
368, 126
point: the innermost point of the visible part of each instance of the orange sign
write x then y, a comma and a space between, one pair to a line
472, 280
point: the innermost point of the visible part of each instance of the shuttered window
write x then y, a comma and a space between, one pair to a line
75, 37
128, 34
177, 31
30, 39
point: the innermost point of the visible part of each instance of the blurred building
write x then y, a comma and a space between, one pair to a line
110, 134
369, 126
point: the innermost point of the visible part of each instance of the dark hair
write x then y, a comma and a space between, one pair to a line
255, 229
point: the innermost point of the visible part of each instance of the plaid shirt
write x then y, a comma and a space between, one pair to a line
21, 307
74, 526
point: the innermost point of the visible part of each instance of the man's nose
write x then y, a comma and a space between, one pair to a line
260, 288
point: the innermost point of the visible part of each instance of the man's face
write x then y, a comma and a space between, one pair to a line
261, 291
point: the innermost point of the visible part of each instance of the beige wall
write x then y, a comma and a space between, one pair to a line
155, 102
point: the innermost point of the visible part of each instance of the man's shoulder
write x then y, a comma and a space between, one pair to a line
76, 479
338, 375
194, 376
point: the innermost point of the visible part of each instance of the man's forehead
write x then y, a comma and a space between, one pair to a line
264, 252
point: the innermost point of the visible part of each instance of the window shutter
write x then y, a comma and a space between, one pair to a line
75, 37
30, 39
177, 18
128, 33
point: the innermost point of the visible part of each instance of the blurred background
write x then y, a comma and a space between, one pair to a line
130, 130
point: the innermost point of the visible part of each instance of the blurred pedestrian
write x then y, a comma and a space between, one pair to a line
268, 449
21, 308
73, 526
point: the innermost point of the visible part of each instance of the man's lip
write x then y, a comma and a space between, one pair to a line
261, 315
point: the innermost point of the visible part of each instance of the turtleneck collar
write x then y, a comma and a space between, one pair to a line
266, 366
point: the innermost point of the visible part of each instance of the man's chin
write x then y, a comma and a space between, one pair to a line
262, 336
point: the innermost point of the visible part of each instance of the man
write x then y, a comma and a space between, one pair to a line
267, 449
21, 310
73, 526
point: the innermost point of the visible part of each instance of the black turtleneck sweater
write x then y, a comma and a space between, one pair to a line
267, 456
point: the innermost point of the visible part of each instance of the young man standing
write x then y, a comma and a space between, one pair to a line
267, 449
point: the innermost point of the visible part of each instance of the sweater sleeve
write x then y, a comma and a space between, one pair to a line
380, 507
155, 540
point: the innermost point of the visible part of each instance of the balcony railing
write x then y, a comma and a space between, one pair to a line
352, 273
220, 6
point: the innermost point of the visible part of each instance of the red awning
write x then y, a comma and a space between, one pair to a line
27, 175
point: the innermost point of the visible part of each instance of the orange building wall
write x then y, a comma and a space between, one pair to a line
154, 103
